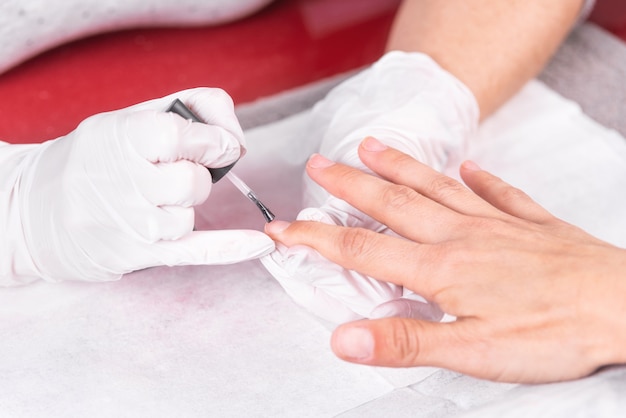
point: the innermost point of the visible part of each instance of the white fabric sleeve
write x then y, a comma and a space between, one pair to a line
405, 100
31, 27
13, 270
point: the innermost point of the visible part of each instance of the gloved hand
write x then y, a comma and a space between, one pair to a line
408, 102
117, 194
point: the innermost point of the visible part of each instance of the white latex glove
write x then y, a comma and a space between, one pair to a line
408, 102
117, 194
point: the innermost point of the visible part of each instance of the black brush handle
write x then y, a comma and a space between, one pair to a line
180, 109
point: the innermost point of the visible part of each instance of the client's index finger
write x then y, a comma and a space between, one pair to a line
383, 257
404, 210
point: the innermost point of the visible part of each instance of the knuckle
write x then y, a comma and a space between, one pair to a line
190, 180
447, 299
177, 225
442, 262
480, 225
151, 229
401, 163
162, 129
183, 172
354, 243
185, 183
405, 343
350, 178
186, 221
511, 194
152, 134
220, 95
194, 175
398, 197
352, 175
442, 187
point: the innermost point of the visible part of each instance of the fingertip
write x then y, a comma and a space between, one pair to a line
372, 144
276, 227
353, 342
470, 165
390, 342
471, 173
317, 161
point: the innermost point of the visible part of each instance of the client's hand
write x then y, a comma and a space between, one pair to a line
535, 299
408, 102
117, 194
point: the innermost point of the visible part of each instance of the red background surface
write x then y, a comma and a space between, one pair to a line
288, 44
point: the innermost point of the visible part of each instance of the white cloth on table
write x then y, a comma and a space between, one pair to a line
226, 341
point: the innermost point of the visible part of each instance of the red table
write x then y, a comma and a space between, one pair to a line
290, 43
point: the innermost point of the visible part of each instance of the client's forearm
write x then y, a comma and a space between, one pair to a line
492, 46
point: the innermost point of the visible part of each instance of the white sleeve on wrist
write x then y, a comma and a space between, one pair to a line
407, 101
30, 27
14, 269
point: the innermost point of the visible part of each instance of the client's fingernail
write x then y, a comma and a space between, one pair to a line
353, 343
470, 166
276, 227
319, 161
373, 144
